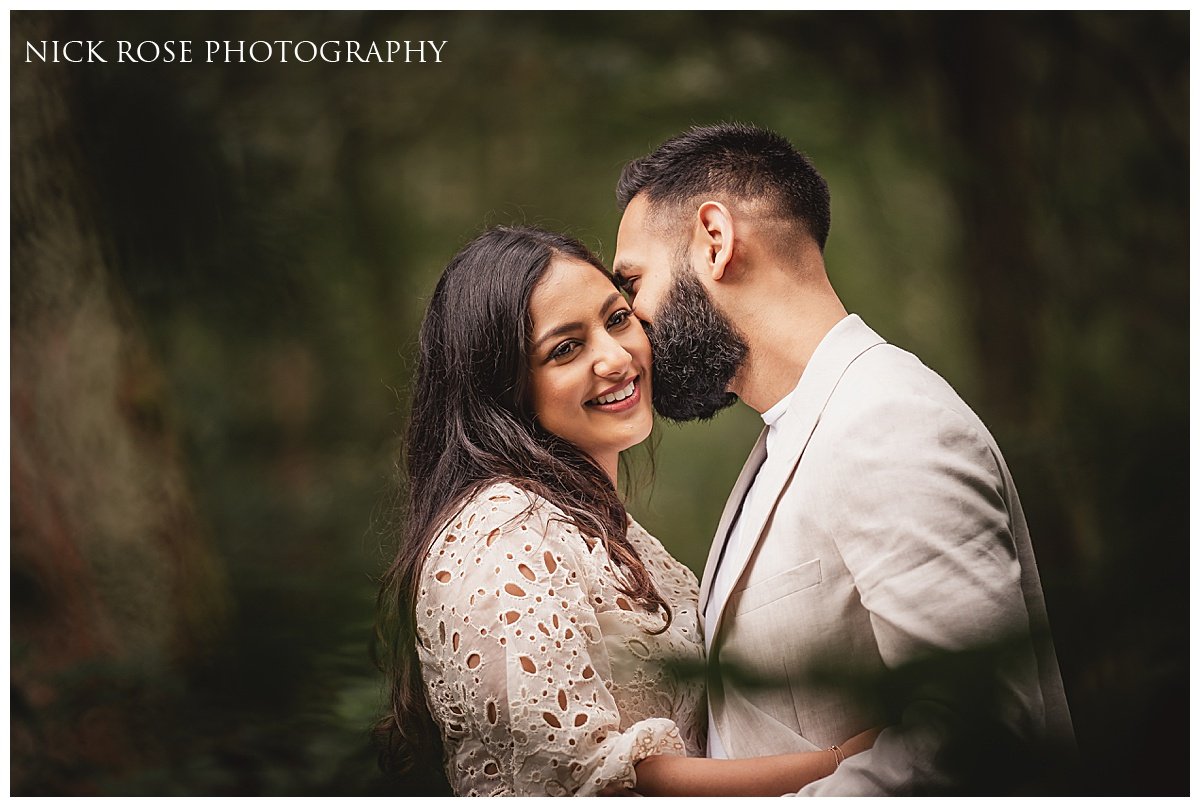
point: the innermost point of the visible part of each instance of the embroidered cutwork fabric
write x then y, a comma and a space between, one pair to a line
539, 672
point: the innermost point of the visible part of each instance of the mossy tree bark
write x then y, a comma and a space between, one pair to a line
114, 581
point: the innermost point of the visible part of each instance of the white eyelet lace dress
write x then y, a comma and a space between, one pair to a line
539, 672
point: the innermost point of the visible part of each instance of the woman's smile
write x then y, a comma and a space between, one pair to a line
589, 352
620, 398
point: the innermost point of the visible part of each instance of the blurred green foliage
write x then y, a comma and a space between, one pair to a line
1010, 202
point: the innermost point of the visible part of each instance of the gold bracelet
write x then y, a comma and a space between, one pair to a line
838, 756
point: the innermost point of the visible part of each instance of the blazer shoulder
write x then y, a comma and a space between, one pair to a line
892, 387
886, 368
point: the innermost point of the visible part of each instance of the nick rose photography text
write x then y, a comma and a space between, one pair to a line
391, 51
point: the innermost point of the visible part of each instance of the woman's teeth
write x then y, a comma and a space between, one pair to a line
613, 397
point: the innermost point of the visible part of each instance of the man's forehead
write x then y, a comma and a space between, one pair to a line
629, 259
637, 213
634, 235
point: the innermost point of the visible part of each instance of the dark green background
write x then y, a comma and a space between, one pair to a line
1010, 202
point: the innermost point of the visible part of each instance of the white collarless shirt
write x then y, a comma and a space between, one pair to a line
724, 579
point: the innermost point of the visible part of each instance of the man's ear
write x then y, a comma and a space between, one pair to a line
713, 237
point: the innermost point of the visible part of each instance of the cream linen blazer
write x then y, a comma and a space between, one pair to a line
887, 526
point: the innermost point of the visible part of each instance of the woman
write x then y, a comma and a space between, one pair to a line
545, 619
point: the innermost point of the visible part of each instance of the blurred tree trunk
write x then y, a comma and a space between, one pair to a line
113, 581
977, 55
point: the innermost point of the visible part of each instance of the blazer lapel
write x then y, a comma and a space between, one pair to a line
848, 340
732, 505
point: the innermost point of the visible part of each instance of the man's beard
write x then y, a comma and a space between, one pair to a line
697, 352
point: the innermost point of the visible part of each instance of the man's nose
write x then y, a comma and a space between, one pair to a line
639, 311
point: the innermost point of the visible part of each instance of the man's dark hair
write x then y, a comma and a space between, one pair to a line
744, 161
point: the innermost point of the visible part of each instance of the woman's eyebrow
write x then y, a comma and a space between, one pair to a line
568, 327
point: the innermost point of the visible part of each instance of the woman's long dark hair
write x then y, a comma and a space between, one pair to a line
472, 424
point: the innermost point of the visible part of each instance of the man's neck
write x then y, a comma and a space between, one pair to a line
781, 341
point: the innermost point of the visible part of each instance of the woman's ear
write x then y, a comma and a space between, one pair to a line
713, 238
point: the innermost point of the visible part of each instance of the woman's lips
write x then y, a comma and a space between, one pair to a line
631, 400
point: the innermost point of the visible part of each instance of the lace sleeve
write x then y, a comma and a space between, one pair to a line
523, 658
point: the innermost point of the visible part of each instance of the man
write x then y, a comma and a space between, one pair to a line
874, 529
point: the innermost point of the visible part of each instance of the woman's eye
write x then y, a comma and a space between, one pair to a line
619, 318
563, 350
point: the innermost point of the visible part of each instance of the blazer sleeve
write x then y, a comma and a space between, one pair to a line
915, 503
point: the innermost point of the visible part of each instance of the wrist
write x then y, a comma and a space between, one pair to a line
838, 756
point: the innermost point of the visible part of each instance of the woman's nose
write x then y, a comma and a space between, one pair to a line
612, 359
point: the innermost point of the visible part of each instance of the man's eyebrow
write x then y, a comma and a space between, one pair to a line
620, 272
568, 327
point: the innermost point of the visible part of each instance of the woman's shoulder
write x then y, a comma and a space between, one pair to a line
502, 499
503, 508
657, 557
641, 536
506, 531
